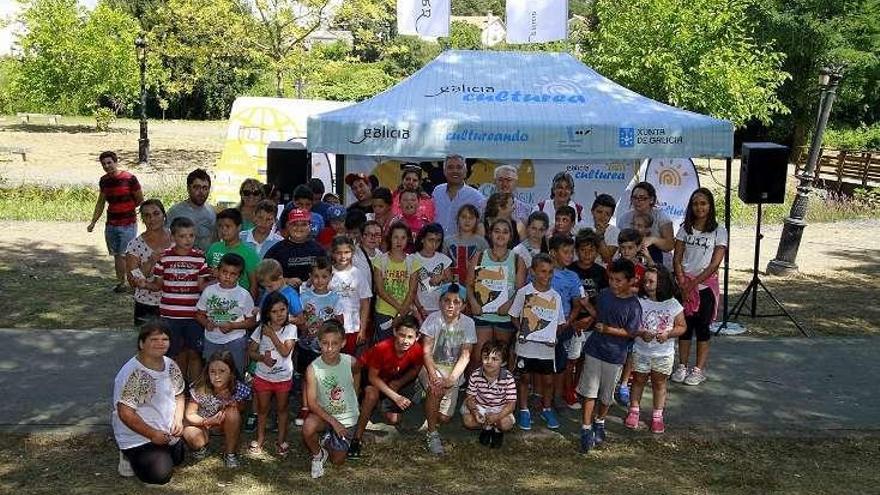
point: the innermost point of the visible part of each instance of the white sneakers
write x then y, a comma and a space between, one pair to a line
679, 374
318, 463
124, 468
695, 377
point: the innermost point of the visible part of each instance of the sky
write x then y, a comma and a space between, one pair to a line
8, 10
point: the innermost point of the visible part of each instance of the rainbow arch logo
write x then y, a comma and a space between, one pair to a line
670, 175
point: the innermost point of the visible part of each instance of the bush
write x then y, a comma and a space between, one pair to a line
104, 117
860, 138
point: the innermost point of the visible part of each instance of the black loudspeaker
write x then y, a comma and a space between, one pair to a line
762, 173
288, 165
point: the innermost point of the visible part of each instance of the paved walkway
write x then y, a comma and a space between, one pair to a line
62, 380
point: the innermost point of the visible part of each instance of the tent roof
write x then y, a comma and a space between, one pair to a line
494, 104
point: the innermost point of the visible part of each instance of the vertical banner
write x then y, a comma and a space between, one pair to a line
536, 21
423, 18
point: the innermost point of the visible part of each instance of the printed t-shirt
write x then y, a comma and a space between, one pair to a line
225, 306
494, 283
448, 339
317, 308
335, 389
699, 247
460, 251
180, 282
152, 394
296, 258
540, 314
351, 285
282, 370
210, 404
657, 317
618, 312
396, 280
428, 294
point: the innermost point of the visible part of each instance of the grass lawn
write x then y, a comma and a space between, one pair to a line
669, 464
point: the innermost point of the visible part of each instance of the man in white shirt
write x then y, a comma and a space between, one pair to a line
451, 196
506, 180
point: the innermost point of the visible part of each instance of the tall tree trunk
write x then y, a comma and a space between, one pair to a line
279, 86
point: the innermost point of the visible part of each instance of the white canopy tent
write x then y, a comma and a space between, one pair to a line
508, 105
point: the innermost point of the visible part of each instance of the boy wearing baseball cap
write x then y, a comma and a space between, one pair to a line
297, 252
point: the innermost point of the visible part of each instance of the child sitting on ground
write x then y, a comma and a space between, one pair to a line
491, 396
226, 311
654, 348
332, 382
618, 319
392, 365
447, 339
218, 398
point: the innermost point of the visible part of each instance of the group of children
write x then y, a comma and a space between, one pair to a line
551, 315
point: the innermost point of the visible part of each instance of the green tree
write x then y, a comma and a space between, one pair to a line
462, 36
72, 60
349, 81
372, 24
695, 54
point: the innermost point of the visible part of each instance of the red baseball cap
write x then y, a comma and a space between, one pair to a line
299, 215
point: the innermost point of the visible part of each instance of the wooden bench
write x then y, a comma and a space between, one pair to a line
14, 150
840, 168
26, 118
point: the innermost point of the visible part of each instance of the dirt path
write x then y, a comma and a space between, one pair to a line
834, 293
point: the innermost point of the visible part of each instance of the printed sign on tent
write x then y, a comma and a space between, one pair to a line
537, 21
423, 18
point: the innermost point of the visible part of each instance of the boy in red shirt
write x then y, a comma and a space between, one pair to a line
391, 365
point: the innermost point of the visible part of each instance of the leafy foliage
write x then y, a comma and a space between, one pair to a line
694, 54
860, 138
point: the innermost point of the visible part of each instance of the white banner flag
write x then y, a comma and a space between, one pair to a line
536, 21
424, 18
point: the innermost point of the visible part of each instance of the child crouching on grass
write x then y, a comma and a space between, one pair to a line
491, 396
654, 348
618, 319
332, 382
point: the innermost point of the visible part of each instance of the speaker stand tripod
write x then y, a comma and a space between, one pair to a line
756, 284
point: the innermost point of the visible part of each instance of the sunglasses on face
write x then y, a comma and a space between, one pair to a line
251, 193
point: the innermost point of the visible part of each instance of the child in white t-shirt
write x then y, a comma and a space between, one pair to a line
432, 269
272, 348
225, 310
536, 237
354, 291
654, 348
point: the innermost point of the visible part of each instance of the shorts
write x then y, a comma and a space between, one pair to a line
574, 347
117, 237
304, 358
384, 328
598, 379
484, 410
237, 347
263, 386
351, 345
449, 399
534, 365
332, 441
658, 364
144, 313
498, 326
387, 405
186, 333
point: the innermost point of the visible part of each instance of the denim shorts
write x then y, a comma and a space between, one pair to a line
118, 237
185, 333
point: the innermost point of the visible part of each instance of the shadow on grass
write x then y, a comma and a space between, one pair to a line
844, 303
670, 465
62, 129
180, 161
44, 286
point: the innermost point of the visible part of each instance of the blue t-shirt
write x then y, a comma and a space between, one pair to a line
289, 293
568, 285
619, 312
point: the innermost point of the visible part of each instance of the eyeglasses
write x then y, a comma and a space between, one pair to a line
251, 193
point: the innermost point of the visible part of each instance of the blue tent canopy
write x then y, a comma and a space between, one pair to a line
507, 105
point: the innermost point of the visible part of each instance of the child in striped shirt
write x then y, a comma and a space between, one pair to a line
181, 274
491, 396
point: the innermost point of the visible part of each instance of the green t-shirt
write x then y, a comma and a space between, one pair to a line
336, 393
251, 259
396, 277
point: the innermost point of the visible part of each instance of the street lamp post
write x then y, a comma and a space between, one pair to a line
793, 228
140, 44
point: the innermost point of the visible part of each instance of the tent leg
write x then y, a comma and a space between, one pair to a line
727, 179
339, 185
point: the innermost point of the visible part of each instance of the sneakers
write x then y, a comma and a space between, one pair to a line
695, 377
680, 373
301, 417
621, 395
124, 468
231, 461
588, 440
318, 463
572, 400
549, 417
250, 423
200, 454
485, 437
497, 439
524, 419
632, 419
435, 446
354, 449
598, 434
657, 425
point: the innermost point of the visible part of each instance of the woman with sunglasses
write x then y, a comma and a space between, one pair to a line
251, 192
643, 199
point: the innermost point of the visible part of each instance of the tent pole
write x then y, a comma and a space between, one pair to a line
727, 179
339, 186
